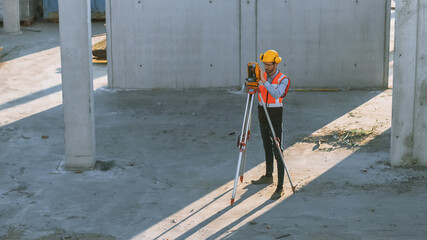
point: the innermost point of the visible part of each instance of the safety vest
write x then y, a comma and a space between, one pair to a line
268, 99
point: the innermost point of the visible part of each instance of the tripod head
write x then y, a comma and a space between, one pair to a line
253, 75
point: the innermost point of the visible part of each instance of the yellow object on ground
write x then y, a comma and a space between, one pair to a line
94, 60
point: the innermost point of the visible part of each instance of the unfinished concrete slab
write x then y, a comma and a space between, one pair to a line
166, 160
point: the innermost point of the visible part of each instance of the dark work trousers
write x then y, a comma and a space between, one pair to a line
275, 114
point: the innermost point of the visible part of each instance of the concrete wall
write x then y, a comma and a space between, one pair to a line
334, 43
409, 117
193, 43
187, 44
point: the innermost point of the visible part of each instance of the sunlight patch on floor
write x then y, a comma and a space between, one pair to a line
23, 110
213, 212
374, 114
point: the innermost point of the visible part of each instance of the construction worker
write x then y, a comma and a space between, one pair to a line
273, 87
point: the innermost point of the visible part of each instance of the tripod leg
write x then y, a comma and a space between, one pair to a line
242, 143
244, 118
276, 142
242, 166
236, 178
279, 148
247, 136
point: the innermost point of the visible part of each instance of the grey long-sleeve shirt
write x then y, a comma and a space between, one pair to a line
275, 92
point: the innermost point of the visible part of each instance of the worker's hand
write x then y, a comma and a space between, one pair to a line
261, 71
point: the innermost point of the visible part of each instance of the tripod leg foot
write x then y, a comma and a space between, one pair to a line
232, 202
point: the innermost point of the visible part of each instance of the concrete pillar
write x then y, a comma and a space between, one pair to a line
409, 116
11, 21
77, 85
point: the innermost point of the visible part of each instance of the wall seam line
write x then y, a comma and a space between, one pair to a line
256, 30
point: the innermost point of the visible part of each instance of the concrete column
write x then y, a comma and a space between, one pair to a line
77, 86
11, 21
409, 116
420, 115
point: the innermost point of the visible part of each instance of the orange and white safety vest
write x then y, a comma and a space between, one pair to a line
268, 99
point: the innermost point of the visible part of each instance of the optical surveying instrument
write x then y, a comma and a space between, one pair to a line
252, 83
253, 75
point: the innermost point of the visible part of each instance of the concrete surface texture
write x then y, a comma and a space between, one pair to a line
409, 133
166, 160
329, 43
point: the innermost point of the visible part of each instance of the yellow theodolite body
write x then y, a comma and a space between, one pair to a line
253, 75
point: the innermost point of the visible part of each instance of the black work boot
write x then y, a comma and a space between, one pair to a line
263, 180
277, 194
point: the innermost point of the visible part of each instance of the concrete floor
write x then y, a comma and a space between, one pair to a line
166, 160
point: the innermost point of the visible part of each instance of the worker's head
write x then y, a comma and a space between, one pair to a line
270, 59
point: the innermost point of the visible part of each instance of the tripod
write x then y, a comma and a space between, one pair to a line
245, 135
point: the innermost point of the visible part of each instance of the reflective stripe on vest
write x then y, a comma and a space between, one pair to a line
269, 100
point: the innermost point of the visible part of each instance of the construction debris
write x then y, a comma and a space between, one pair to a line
348, 139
